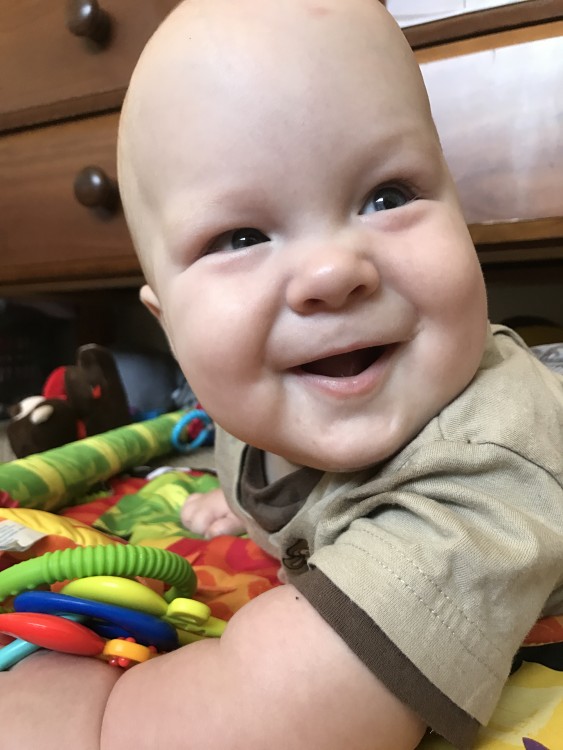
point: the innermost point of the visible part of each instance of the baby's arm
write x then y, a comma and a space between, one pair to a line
51, 701
209, 514
278, 678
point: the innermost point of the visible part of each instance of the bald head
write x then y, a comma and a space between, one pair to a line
217, 73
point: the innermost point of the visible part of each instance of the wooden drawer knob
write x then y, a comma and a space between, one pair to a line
94, 189
85, 18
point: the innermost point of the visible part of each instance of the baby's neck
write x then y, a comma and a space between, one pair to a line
276, 467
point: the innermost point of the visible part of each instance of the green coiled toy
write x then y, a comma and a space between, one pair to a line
115, 559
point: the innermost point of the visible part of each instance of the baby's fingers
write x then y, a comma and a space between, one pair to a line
227, 525
201, 510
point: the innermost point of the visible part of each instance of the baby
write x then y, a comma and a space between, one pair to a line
306, 255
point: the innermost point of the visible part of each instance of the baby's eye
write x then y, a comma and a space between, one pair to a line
385, 199
237, 239
246, 237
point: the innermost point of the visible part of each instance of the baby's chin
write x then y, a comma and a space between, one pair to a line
340, 463
357, 455
346, 468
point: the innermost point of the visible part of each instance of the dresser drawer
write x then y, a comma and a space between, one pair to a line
411, 12
45, 232
49, 73
498, 105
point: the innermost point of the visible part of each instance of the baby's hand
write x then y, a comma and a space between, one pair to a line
209, 514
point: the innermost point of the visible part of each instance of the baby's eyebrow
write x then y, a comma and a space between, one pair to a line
220, 203
199, 216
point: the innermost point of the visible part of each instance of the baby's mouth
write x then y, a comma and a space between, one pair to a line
345, 365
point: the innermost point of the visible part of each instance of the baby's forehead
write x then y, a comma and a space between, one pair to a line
222, 30
266, 47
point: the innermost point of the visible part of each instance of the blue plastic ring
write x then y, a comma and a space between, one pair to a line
199, 440
147, 630
15, 652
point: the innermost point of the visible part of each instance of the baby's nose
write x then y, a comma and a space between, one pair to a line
331, 275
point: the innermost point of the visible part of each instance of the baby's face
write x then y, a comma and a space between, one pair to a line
305, 248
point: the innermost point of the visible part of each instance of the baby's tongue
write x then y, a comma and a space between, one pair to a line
341, 365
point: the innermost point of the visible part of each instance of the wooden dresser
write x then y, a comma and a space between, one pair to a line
494, 78
65, 69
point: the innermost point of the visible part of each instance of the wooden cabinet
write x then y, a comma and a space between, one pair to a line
65, 69
63, 58
45, 232
413, 12
498, 105
494, 80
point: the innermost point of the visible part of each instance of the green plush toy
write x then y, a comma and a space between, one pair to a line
52, 479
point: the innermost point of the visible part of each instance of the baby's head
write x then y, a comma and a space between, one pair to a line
299, 231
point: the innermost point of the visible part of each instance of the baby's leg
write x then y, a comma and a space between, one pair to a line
209, 514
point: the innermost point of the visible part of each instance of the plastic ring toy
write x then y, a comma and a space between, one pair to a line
68, 637
120, 591
145, 629
17, 650
182, 613
123, 653
179, 443
114, 559
49, 631
187, 613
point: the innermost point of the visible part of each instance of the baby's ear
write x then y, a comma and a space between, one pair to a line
150, 301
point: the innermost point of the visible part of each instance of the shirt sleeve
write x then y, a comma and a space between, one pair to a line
437, 587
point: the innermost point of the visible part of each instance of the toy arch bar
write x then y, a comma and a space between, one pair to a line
114, 559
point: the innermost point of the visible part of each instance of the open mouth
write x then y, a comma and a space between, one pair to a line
345, 365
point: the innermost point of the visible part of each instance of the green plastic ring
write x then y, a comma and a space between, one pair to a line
115, 559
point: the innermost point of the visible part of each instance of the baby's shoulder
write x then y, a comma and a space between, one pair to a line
514, 401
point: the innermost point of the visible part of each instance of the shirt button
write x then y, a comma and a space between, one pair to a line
297, 555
